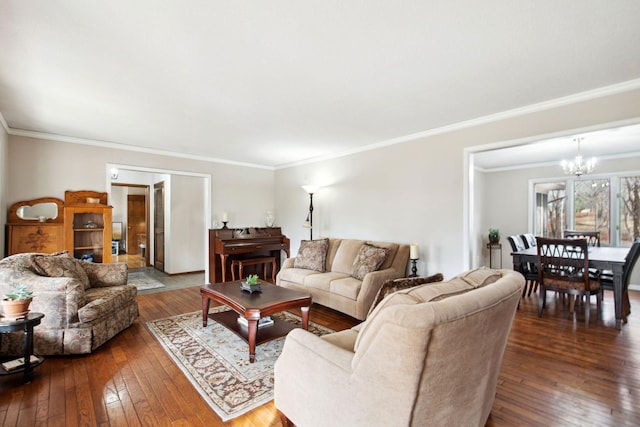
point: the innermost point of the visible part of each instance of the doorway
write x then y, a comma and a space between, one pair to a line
137, 226
186, 216
131, 207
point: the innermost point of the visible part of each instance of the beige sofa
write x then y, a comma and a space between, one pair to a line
336, 287
428, 356
85, 304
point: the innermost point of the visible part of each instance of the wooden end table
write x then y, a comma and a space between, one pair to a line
253, 306
26, 325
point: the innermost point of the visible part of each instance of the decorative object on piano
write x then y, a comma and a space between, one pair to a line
225, 220
269, 219
15, 304
251, 285
494, 236
308, 223
414, 256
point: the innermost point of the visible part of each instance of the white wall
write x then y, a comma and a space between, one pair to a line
409, 192
185, 225
4, 205
414, 191
45, 168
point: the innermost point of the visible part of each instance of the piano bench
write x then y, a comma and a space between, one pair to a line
241, 263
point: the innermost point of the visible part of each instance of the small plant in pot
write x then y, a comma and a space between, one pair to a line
16, 303
494, 236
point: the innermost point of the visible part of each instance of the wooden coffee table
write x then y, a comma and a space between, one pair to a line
272, 299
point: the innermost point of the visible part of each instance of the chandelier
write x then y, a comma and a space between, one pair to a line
579, 166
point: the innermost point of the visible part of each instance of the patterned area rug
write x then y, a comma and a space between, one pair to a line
216, 360
142, 281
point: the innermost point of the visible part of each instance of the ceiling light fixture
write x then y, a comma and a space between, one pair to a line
578, 166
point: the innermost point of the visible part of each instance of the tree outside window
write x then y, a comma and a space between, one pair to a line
591, 207
629, 209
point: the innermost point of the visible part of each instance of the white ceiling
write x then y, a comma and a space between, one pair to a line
276, 82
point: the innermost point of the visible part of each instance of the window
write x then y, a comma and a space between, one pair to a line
586, 204
550, 209
591, 207
629, 209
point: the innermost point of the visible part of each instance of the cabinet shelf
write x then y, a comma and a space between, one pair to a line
80, 240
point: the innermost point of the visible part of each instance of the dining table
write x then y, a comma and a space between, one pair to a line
601, 258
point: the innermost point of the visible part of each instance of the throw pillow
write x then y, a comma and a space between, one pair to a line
61, 265
312, 255
369, 259
393, 285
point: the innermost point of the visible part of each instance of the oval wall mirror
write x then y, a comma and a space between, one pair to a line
46, 210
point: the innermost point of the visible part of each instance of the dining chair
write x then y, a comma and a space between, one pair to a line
528, 270
592, 237
563, 266
606, 280
529, 240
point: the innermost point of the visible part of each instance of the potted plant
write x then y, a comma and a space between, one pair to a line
251, 284
494, 236
16, 303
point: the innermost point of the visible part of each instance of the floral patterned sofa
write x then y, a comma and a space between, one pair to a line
84, 304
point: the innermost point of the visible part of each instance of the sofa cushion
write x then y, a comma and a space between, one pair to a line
393, 249
323, 280
346, 253
334, 244
368, 259
296, 275
60, 265
312, 255
393, 285
480, 276
348, 287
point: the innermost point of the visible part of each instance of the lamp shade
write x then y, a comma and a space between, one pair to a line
310, 188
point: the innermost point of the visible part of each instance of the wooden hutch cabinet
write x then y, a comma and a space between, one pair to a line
87, 223
36, 226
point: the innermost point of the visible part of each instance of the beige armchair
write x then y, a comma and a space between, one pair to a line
428, 355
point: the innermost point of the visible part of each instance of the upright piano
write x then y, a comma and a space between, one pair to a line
250, 242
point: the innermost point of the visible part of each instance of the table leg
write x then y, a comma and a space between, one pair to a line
205, 309
28, 349
617, 293
305, 318
252, 333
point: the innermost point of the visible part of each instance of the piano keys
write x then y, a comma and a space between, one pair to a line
250, 242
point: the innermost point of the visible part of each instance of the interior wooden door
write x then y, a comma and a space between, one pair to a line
158, 226
137, 225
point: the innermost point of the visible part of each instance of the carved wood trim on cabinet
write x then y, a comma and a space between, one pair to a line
31, 235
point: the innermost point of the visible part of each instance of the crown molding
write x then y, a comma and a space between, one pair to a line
116, 146
516, 112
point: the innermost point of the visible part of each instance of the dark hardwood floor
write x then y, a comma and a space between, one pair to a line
555, 373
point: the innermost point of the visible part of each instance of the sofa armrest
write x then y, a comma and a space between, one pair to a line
300, 343
59, 298
288, 263
105, 275
371, 284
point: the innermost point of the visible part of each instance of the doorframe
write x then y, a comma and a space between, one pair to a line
111, 167
147, 206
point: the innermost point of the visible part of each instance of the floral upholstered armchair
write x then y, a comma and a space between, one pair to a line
84, 304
